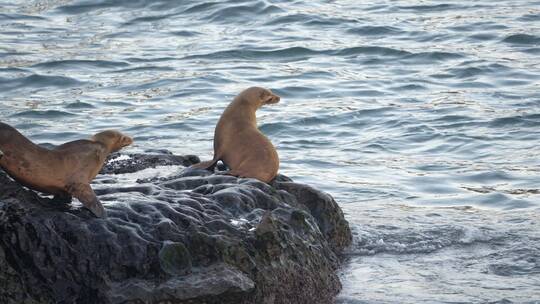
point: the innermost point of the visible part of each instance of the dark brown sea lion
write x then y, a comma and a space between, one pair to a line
64, 171
239, 143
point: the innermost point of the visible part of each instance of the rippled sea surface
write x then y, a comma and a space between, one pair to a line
422, 118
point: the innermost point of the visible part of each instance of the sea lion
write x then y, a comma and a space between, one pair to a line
64, 171
239, 143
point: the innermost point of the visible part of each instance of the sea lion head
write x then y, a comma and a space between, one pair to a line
113, 140
258, 96
1, 154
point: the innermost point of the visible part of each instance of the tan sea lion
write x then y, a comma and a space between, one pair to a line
64, 171
239, 143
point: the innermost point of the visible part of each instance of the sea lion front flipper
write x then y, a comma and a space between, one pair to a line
85, 194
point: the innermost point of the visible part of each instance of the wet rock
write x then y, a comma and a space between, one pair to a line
192, 237
175, 258
138, 162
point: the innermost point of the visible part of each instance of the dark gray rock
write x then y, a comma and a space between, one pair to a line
138, 162
194, 237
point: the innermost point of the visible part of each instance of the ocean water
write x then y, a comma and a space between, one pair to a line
422, 118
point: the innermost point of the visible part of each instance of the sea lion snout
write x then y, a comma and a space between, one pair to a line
123, 141
268, 97
126, 141
273, 98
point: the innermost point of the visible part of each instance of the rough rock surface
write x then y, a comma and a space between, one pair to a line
189, 237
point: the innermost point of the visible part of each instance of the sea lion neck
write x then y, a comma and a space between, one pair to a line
106, 145
109, 147
246, 103
242, 109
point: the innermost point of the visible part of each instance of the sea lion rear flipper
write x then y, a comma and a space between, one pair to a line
206, 165
85, 194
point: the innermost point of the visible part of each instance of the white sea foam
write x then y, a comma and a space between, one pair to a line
119, 158
239, 221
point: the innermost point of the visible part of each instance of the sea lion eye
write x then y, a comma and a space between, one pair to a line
266, 97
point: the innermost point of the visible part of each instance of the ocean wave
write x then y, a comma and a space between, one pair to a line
530, 17
517, 262
370, 30
14, 17
242, 13
44, 114
309, 20
395, 240
522, 39
80, 64
291, 53
370, 50
88, 6
37, 81
200, 7
80, 105
302, 53
431, 8
528, 120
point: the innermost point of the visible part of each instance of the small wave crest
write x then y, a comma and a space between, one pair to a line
37, 81
43, 114
395, 240
524, 39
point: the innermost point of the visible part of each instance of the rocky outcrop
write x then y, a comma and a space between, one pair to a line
189, 237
